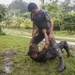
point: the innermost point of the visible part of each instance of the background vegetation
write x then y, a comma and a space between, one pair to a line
17, 15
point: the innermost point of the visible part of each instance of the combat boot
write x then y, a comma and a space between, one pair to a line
62, 65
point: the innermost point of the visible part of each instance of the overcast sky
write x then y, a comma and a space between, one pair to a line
9, 1
6, 2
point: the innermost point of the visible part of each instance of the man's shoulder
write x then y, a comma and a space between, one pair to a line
42, 11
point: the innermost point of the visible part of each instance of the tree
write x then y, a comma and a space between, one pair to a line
68, 5
73, 5
42, 5
69, 21
18, 6
2, 16
54, 1
2, 12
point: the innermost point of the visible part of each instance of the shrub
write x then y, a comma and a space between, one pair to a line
57, 24
27, 24
69, 22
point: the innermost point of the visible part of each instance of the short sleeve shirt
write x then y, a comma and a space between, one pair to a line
41, 19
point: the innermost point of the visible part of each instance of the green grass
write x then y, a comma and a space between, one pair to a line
25, 66
61, 39
64, 34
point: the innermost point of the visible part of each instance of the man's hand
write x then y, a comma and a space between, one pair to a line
50, 37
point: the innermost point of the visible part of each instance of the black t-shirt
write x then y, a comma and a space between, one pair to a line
41, 19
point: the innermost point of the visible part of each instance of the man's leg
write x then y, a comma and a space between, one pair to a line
63, 44
38, 38
46, 37
59, 54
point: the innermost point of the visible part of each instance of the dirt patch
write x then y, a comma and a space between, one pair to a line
7, 63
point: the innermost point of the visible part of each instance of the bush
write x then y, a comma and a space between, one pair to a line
66, 23
2, 33
69, 22
57, 24
27, 24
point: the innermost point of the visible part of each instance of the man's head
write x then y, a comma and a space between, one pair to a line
33, 49
32, 7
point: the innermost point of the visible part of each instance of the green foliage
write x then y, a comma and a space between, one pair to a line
27, 24
56, 24
18, 4
43, 5
17, 7
65, 22
1, 33
26, 15
14, 21
69, 21
2, 12
60, 11
68, 5
17, 21
17, 14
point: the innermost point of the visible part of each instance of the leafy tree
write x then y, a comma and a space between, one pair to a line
68, 5
17, 7
2, 12
27, 24
42, 5
69, 21
2, 16
73, 5
54, 1
16, 22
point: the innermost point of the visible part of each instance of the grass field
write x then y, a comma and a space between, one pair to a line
25, 66
59, 35
27, 32
64, 33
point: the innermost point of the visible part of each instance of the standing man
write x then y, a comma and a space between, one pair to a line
41, 19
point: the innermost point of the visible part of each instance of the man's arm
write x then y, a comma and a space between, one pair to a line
33, 34
48, 19
33, 28
51, 29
